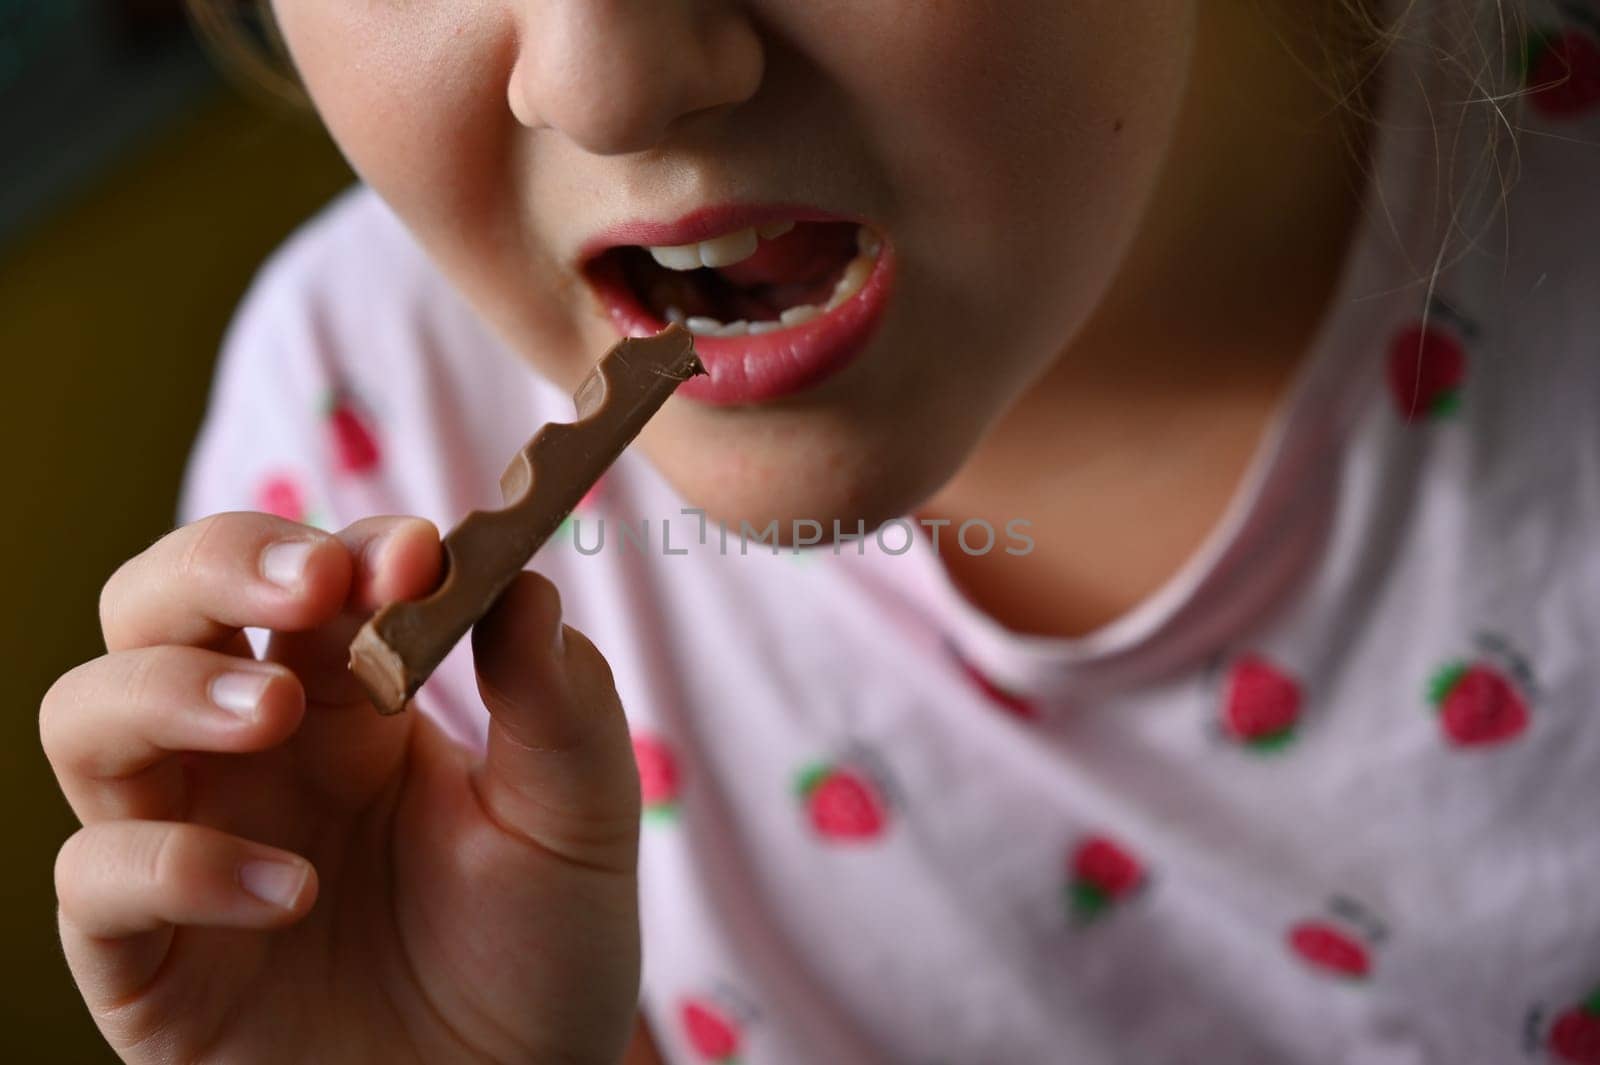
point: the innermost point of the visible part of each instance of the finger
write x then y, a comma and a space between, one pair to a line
110, 726
201, 583
344, 748
392, 558
559, 768
123, 885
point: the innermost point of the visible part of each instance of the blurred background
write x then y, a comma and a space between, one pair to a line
140, 188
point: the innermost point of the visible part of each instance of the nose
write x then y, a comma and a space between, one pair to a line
615, 75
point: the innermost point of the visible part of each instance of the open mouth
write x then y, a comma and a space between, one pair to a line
753, 281
774, 307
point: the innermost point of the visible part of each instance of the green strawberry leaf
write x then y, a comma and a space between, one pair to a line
1086, 899
661, 813
1272, 741
810, 777
1440, 685
1446, 403
1591, 1005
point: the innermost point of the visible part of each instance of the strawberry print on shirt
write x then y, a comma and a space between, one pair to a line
355, 447
843, 802
712, 1033
1331, 949
1483, 701
716, 1022
281, 494
658, 777
1260, 704
1342, 944
1575, 1035
285, 495
1101, 874
1427, 365
1561, 64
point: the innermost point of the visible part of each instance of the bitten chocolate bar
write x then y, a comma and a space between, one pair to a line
403, 643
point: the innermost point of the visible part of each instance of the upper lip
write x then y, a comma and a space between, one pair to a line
701, 224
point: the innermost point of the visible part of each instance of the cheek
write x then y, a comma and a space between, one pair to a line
415, 96
1016, 122
402, 87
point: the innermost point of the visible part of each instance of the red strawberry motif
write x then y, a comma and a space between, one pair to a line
1476, 704
1008, 701
355, 448
714, 1036
1426, 368
1262, 703
1563, 73
658, 776
280, 494
1102, 873
842, 803
1575, 1037
1326, 947
592, 496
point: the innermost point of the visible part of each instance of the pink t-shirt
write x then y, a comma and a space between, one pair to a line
1329, 795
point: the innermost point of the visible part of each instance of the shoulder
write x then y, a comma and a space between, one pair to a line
355, 230
353, 362
352, 305
351, 277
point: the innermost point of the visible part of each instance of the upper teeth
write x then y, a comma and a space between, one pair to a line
725, 250
851, 282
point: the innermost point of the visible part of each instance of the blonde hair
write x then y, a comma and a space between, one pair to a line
1478, 49
244, 37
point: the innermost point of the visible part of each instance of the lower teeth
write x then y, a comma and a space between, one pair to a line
850, 283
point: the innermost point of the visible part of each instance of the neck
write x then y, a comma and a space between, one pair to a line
1125, 454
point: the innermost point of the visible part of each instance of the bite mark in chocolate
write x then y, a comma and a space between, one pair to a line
402, 644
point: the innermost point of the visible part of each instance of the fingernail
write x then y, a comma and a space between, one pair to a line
285, 563
373, 550
275, 883
239, 692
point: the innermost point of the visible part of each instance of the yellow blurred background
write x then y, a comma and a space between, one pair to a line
129, 228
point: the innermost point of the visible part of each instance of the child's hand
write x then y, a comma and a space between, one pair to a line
457, 911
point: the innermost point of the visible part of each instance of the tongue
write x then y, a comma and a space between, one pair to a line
807, 252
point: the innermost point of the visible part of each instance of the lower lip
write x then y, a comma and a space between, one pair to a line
758, 369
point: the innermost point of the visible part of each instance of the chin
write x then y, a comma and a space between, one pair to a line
766, 473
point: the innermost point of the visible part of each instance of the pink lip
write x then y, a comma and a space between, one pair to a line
749, 369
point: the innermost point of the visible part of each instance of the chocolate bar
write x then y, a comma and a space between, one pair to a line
403, 643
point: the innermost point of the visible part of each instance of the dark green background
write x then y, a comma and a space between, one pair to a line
114, 292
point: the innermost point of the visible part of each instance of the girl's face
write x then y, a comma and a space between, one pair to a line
1004, 151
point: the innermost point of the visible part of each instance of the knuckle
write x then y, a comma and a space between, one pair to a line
146, 665
54, 710
195, 560
110, 603
163, 856
68, 868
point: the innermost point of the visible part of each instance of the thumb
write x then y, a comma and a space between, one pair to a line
559, 768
